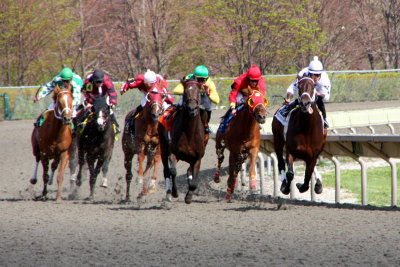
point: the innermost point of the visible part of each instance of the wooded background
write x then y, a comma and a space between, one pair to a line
125, 37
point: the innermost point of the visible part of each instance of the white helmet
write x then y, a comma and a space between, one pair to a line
315, 66
150, 76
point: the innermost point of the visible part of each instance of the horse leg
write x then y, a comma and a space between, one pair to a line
156, 161
128, 175
285, 186
81, 160
45, 164
73, 160
318, 183
219, 148
33, 179
279, 143
252, 170
309, 171
104, 170
172, 171
234, 168
53, 169
93, 176
140, 172
193, 180
60, 177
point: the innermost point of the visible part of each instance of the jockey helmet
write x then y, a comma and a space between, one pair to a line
97, 76
201, 72
150, 77
254, 73
66, 74
315, 66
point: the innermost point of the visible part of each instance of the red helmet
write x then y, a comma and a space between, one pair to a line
254, 73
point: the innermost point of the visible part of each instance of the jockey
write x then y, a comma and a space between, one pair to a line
244, 85
208, 92
65, 77
99, 84
145, 83
316, 72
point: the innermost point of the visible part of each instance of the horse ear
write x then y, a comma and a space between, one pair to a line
266, 101
250, 102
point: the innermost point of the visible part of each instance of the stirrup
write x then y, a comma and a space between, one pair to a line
207, 130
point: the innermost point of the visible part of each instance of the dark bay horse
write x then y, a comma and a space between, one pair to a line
242, 138
304, 138
53, 139
145, 141
96, 143
186, 141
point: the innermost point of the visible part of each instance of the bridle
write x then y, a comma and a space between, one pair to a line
57, 113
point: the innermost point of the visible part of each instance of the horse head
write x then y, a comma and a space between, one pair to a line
155, 99
101, 113
306, 87
191, 97
63, 104
257, 103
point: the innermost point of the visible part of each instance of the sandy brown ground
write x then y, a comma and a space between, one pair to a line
252, 231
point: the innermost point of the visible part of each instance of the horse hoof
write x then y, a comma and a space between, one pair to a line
33, 181
168, 197
285, 188
139, 180
216, 177
302, 187
78, 183
188, 197
104, 183
318, 187
41, 198
50, 182
254, 192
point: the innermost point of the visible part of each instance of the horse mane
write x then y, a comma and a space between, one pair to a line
100, 103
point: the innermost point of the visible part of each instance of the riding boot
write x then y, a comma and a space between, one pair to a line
205, 118
115, 122
131, 123
289, 107
321, 107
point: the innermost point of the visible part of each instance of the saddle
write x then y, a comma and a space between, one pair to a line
226, 119
40, 120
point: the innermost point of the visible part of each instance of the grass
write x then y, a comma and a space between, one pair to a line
378, 180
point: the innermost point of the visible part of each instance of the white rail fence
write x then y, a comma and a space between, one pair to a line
357, 147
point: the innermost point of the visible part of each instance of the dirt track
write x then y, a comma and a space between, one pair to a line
209, 232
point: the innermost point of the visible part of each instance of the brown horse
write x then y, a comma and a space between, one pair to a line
144, 142
53, 139
305, 138
96, 143
186, 141
242, 138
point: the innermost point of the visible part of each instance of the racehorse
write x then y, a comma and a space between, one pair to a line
242, 138
186, 141
53, 139
304, 137
96, 143
144, 142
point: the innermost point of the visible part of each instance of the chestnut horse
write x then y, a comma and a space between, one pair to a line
53, 139
144, 142
96, 143
186, 141
242, 138
304, 137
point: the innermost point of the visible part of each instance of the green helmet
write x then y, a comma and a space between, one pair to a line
66, 74
201, 72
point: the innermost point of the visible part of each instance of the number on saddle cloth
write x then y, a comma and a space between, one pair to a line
226, 119
167, 118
